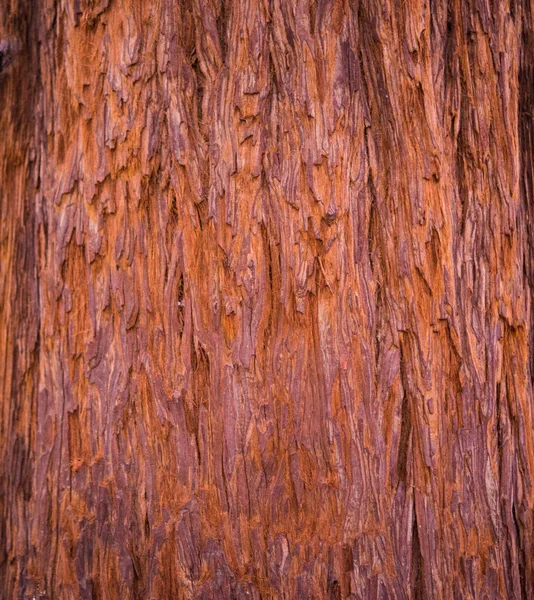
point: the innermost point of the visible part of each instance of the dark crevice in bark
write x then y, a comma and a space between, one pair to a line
500, 436
333, 589
225, 507
404, 441
200, 372
202, 213
312, 16
222, 29
181, 305
147, 526
272, 286
526, 140
7, 52
378, 315
58, 489
405, 445
522, 563
418, 584
361, 27
174, 210
462, 171
373, 226
526, 150
273, 78
139, 588
200, 83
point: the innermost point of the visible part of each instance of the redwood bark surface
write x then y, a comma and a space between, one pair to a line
266, 319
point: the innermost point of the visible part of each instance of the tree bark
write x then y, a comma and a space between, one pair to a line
266, 319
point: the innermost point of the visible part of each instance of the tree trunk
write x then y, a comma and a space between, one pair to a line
266, 273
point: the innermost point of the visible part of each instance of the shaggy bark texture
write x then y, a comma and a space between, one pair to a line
266, 320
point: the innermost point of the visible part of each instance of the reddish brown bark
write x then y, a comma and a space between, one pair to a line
265, 289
